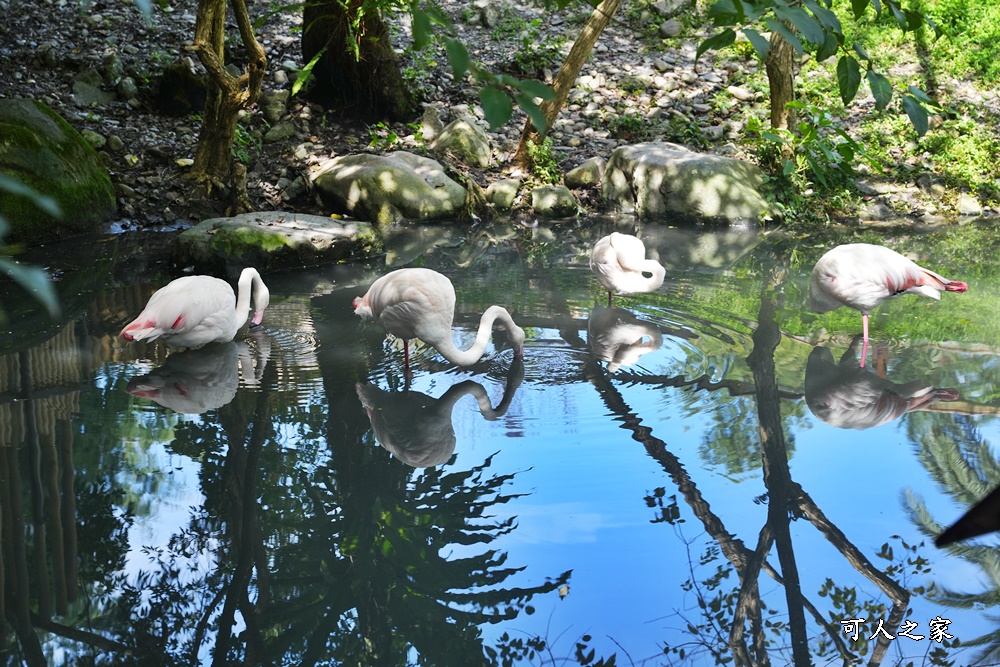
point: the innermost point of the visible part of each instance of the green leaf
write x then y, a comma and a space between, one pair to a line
919, 94
780, 28
848, 78
913, 19
858, 49
828, 48
881, 89
760, 45
306, 72
917, 114
898, 15
726, 12
723, 39
497, 107
534, 112
536, 89
859, 7
421, 27
934, 27
807, 26
34, 280
826, 18
771, 136
458, 56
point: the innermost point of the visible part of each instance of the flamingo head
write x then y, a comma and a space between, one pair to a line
956, 286
261, 300
361, 306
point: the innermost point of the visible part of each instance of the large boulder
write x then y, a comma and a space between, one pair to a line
41, 150
389, 189
659, 179
274, 240
464, 139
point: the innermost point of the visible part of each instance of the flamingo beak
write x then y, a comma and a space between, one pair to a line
258, 317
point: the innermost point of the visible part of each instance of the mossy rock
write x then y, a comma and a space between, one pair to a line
41, 150
274, 240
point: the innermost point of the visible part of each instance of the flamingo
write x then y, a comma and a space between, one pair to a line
846, 396
620, 264
417, 429
420, 303
862, 276
195, 310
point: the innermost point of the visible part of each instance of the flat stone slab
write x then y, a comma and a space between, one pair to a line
275, 240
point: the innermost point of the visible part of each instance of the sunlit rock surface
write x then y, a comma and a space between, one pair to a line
658, 179
389, 189
275, 239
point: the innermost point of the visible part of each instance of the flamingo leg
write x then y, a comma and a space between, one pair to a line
864, 347
609, 298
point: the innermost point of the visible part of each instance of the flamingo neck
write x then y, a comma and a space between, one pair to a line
446, 347
637, 283
247, 283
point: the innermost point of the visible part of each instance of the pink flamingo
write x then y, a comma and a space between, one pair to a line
863, 276
420, 303
620, 264
195, 310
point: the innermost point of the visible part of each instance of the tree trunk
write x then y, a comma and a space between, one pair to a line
781, 81
357, 67
227, 96
566, 77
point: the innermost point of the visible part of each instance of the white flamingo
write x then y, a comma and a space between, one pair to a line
620, 264
195, 310
862, 276
420, 303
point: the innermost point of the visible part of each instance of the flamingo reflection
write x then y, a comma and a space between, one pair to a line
198, 380
618, 337
847, 396
417, 429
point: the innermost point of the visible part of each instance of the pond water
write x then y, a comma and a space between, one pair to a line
666, 482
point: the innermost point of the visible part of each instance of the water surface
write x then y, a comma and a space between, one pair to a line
676, 479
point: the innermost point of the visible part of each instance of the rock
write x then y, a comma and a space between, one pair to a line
742, 94
466, 140
87, 90
94, 139
660, 179
502, 193
127, 88
274, 240
667, 8
587, 173
280, 132
389, 189
489, 13
670, 28
274, 105
968, 205
43, 151
430, 122
554, 201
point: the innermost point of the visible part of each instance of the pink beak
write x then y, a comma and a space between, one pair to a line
258, 317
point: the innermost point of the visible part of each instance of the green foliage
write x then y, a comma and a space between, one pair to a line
543, 161
629, 126
382, 137
247, 144
814, 28
822, 151
972, 29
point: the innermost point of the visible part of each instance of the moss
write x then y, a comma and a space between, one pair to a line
240, 241
40, 149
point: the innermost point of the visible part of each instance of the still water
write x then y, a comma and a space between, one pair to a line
692, 477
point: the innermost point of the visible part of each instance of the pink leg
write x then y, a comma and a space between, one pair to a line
864, 347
